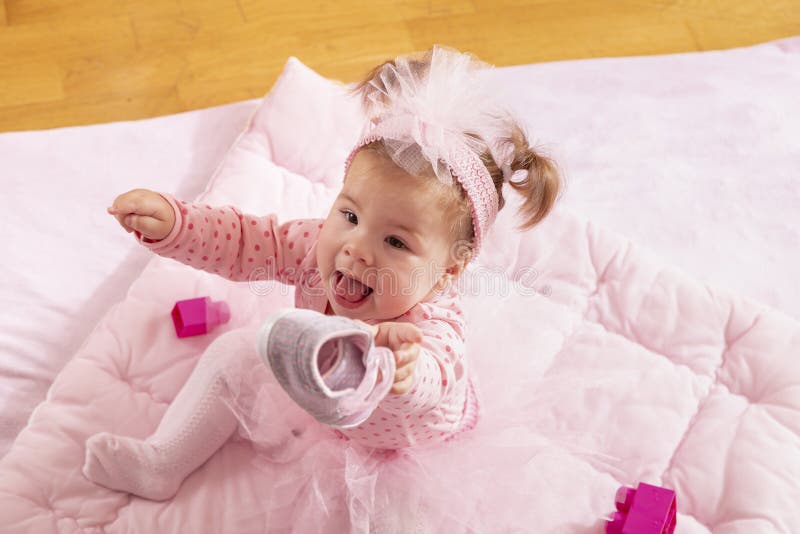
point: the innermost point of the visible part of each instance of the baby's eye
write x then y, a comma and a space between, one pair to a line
350, 216
394, 242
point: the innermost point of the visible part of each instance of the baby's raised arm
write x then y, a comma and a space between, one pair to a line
427, 366
218, 239
427, 400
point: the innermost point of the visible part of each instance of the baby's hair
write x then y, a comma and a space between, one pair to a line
539, 189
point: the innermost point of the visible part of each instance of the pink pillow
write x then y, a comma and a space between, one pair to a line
308, 124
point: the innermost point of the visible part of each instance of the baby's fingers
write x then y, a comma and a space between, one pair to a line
139, 202
144, 211
120, 219
403, 333
126, 203
398, 388
403, 372
145, 225
407, 355
406, 362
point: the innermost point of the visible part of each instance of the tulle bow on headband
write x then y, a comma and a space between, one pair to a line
435, 111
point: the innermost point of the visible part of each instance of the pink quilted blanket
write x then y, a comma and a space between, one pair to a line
597, 366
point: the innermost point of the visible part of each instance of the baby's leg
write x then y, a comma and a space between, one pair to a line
196, 424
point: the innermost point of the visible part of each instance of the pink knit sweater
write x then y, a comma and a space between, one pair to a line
222, 240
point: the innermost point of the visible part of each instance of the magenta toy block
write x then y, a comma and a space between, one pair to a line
645, 510
193, 317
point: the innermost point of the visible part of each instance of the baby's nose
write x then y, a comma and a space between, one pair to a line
358, 252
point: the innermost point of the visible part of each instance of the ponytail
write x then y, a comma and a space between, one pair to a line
540, 186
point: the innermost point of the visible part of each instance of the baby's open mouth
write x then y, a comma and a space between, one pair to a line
349, 289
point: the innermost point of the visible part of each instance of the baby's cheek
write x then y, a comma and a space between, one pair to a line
405, 288
324, 260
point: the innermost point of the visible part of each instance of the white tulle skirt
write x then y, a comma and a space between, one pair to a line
493, 478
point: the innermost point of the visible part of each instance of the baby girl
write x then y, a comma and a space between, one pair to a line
421, 190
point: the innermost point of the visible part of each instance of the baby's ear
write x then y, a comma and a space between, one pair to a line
454, 270
460, 254
457, 268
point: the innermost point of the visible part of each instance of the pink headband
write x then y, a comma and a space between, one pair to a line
462, 164
435, 110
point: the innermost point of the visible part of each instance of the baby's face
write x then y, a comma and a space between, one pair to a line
385, 245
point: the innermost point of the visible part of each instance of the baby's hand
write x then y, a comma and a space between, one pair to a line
403, 339
144, 211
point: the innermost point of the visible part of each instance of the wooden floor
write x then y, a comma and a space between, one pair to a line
68, 62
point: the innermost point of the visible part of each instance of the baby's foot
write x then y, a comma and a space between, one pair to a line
131, 465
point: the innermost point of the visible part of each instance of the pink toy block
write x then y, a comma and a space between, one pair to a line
645, 510
197, 316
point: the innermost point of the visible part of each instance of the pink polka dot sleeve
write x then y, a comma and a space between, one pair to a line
440, 362
237, 246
